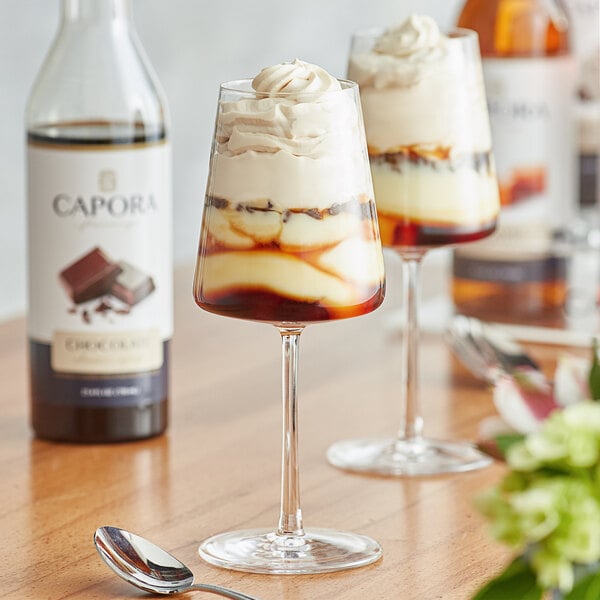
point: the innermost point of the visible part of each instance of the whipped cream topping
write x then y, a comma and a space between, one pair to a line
294, 77
273, 124
301, 145
421, 87
418, 36
308, 119
402, 55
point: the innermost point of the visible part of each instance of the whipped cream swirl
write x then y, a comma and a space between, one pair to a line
419, 35
305, 120
294, 77
401, 56
274, 124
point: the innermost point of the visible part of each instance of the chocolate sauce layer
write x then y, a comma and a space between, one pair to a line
480, 162
359, 208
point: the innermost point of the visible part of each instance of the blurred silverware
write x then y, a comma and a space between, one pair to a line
486, 350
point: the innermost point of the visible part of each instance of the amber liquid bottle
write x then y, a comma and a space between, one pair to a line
516, 275
99, 244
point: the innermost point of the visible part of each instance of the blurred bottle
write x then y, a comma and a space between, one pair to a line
516, 275
100, 270
585, 20
583, 236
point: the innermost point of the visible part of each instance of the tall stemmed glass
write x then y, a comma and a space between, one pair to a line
433, 174
289, 237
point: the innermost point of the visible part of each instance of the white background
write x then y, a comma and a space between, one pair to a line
193, 45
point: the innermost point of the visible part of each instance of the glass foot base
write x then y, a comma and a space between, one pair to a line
262, 551
389, 456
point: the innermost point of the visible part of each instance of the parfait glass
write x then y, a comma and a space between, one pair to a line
435, 185
289, 237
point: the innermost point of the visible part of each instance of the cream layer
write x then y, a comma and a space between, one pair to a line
289, 181
421, 193
241, 229
339, 282
434, 112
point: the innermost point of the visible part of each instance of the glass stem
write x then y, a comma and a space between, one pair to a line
290, 518
411, 422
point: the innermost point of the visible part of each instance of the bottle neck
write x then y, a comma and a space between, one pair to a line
96, 11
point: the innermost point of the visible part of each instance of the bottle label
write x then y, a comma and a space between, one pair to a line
100, 265
530, 103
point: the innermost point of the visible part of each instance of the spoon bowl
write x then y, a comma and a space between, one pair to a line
486, 350
149, 567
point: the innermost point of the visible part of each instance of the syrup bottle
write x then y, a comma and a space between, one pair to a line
516, 275
99, 218
585, 19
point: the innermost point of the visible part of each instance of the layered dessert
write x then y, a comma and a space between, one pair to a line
289, 231
428, 133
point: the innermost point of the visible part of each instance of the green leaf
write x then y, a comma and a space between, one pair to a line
506, 440
594, 379
586, 589
516, 581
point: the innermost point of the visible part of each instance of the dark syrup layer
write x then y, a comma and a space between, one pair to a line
269, 307
96, 133
409, 234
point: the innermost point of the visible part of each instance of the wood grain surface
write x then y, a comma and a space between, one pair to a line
218, 467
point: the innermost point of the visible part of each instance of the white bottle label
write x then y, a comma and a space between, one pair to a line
100, 261
531, 112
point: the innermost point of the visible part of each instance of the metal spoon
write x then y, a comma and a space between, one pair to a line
148, 567
487, 350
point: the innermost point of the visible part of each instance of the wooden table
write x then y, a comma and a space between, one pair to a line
218, 467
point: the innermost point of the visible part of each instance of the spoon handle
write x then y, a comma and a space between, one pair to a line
215, 589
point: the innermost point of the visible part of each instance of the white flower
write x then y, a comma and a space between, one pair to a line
571, 380
524, 403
